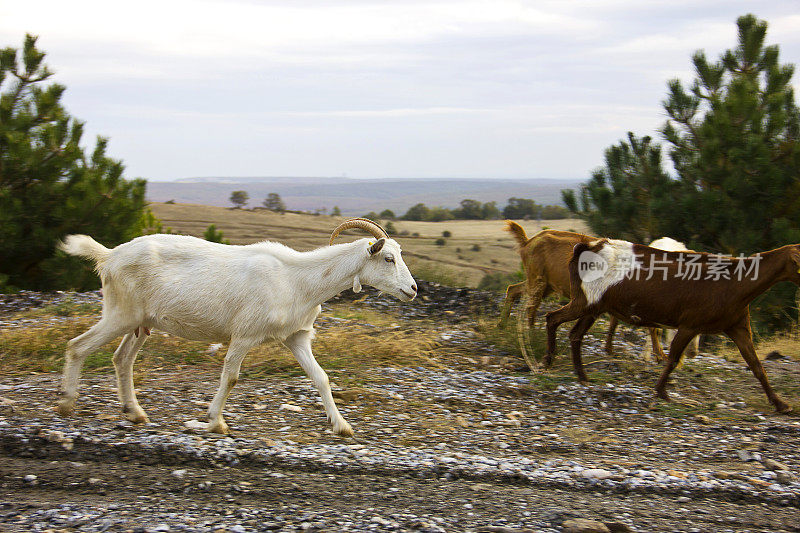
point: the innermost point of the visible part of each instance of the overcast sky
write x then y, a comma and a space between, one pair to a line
377, 89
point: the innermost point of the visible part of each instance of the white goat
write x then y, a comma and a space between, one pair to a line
243, 295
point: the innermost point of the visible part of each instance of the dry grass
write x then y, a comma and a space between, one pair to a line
364, 339
457, 259
787, 344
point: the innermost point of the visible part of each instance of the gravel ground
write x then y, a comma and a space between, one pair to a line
455, 449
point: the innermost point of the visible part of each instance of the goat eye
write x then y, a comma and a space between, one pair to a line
389, 259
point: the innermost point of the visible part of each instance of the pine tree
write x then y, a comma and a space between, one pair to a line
735, 143
629, 197
48, 186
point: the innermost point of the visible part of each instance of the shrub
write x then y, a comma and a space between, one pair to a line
440, 241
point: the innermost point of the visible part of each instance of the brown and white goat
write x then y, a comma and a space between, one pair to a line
545, 257
715, 298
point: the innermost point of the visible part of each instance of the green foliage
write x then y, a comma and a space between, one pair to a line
498, 281
151, 224
387, 214
390, 229
274, 202
336, 212
239, 199
446, 234
474, 210
521, 208
555, 212
440, 241
48, 186
417, 212
629, 197
212, 235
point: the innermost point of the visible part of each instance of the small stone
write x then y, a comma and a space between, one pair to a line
461, 421
775, 355
180, 473
618, 527
744, 456
582, 525
30, 478
596, 473
771, 464
783, 477
290, 407
703, 419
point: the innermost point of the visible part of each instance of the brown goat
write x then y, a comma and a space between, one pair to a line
544, 260
714, 299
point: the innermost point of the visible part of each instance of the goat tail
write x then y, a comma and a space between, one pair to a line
84, 246
517, 231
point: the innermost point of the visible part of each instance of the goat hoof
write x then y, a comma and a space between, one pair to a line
65, 408
783, 407
343, 430
221, 428
138, 419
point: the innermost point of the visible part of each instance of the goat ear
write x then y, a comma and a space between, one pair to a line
356, 284
376, 246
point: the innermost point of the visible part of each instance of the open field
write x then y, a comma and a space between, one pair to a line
457, 261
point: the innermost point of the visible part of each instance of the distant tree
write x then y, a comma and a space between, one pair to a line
212, 235
372, 215
49, 187
446, 234
273, 202
390, 229
387, 214
417, 212
336, 212
469, 210
439, 214
239, 198
554, 212
489, 211
521, 208
440, 241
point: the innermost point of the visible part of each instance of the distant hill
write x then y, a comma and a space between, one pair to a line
357, 196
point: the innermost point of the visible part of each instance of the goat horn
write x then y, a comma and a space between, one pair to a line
364, 223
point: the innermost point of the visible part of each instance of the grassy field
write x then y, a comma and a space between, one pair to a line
475, 248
